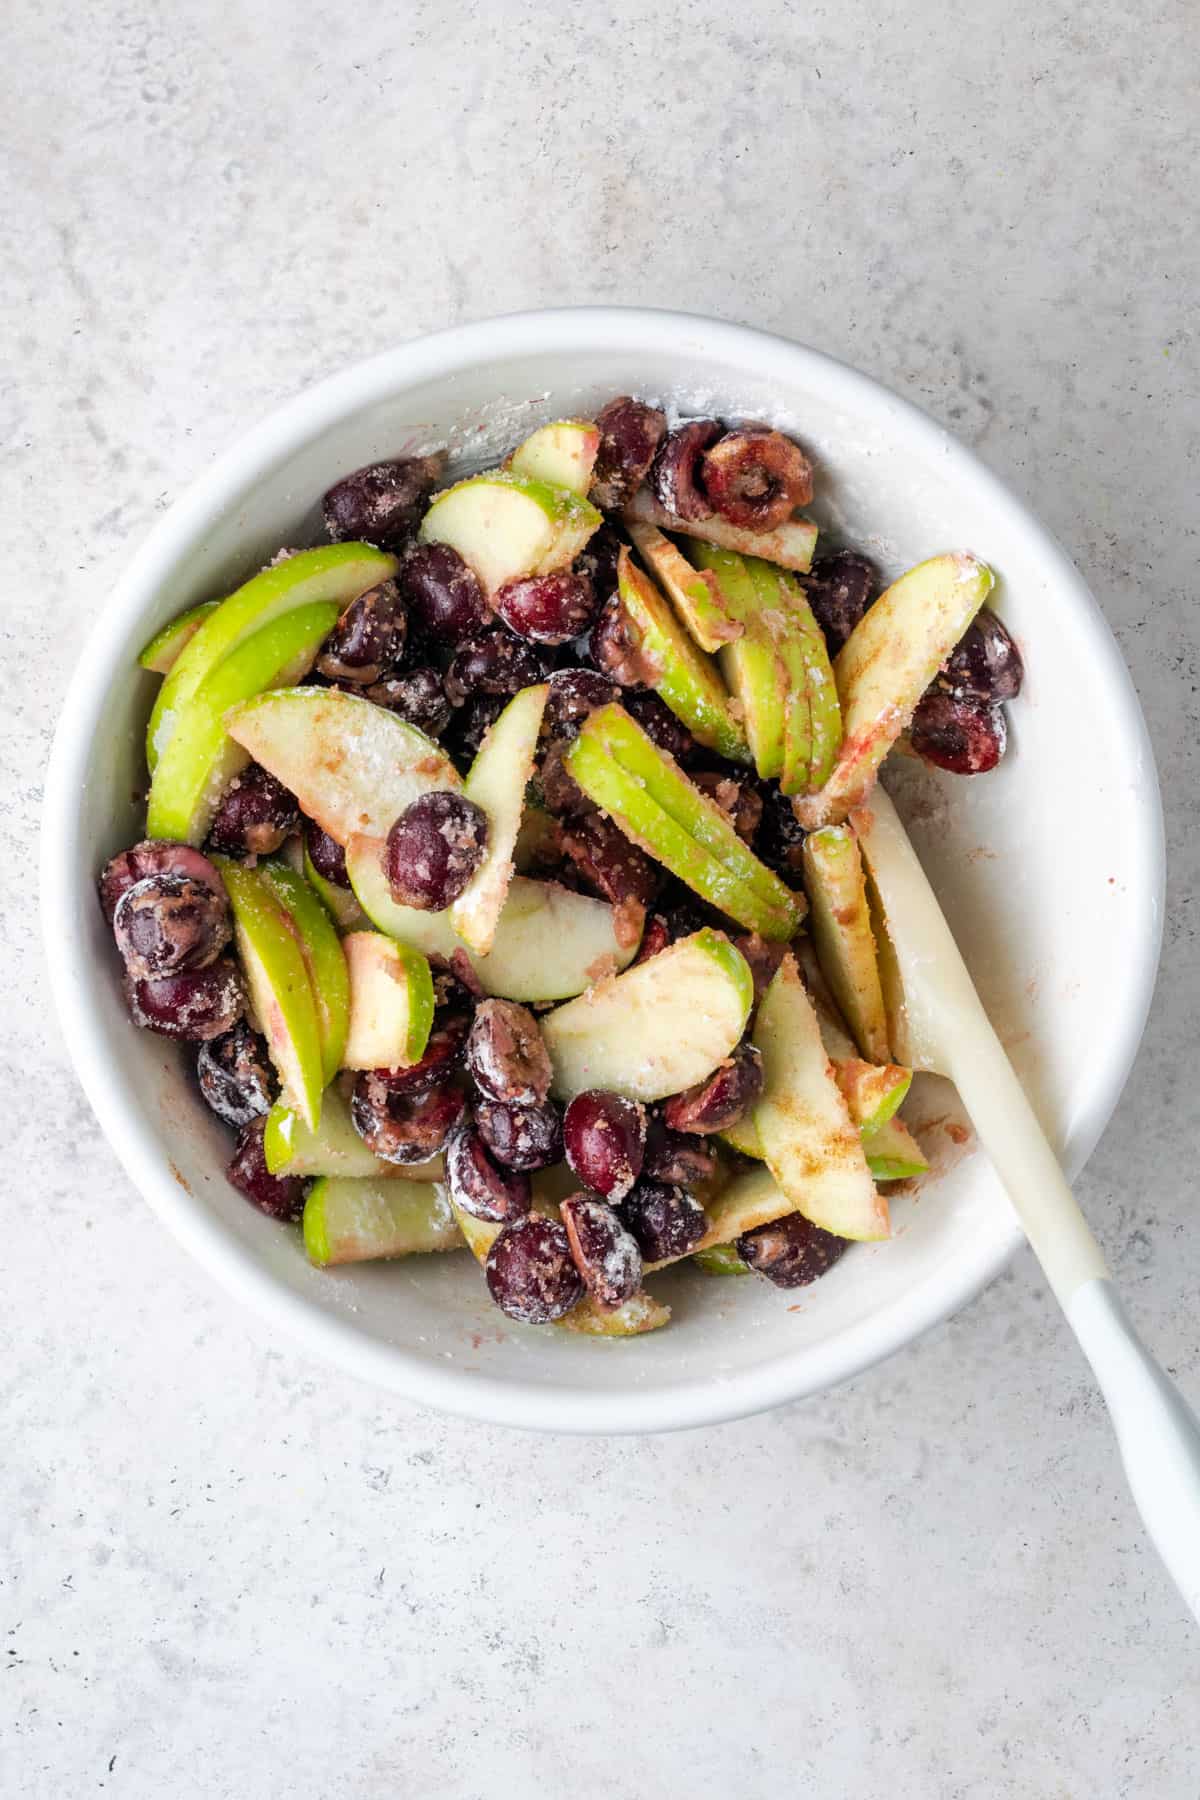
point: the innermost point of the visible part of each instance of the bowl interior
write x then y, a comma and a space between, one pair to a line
1047, 869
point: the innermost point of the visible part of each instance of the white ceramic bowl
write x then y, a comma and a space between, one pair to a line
1050, 869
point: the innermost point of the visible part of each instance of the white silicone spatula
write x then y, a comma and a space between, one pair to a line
944, 1028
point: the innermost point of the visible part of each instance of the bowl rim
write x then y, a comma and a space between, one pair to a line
706, 1400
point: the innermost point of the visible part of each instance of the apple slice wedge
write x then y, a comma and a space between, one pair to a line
809, 752
809, 1141
337, 573
893, 1153
349, 1221
694, 593
657, 1029
842, 937
791, 544
496, 782
391, 1002
562, 453
872, 1096
651, 800
506, 526
885, 666
334, 1148
200, 759
353, 767
162, 652
550, 942
754, 666
280, 988
683, 677
323, 956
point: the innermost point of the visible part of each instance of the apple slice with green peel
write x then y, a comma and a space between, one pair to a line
496, 782
348, 1221
720, 1259
339, 902
506, 526
162, 652
280, 989
201, 759
891, 985
353, 766
550, 942
754, 666
810, 1143
651, 800
337, 573
620, 735
842, 937
639, 1314
871, 1094
658, 1028
683, 677
893, 1153
391, 1002
885, 666
813, 734
334, 1148
791, 544
324, 958
694, 593
562, 453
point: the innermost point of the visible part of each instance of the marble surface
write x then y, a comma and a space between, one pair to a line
227, 1571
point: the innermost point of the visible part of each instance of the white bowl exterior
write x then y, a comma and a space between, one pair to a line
1050, 869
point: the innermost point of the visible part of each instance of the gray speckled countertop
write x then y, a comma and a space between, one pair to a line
225, 1570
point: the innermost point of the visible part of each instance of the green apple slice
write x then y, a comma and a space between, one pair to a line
813, 736
162, 652
506, 525
682, 675
720, 1259
893, 1153
337, 573
653, 803
339, 902
353, 767
791, 544
280, 989
885, 666
496, 782
200, 759
334, 1148
639, 1314
871, 1094
842, 935
391, 1002
612, 729
754, 667
323, 955
562, 454
348, 1221
810, 1143
657, 1029
550, 942
694, 593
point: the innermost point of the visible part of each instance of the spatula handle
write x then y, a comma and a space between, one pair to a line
1009, 1130
1156, 1429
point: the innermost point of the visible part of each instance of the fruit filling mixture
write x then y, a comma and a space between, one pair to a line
500, 863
